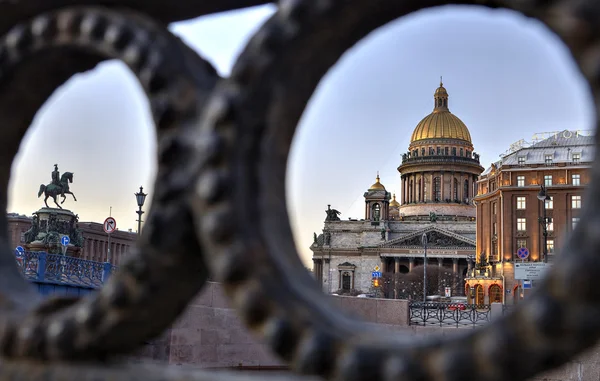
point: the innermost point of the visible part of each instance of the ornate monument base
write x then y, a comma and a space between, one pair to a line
48, 227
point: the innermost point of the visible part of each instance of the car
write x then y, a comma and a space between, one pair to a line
457, 306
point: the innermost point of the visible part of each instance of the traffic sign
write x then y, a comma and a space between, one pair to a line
376, 268
110, 225
65, 240
447, 292
376, 274
526, 284
19, 250
530, 270
523, 253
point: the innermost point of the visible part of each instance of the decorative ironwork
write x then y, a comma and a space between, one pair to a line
448, 314
236, 135
55, 268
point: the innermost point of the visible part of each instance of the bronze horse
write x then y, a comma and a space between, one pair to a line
52, 190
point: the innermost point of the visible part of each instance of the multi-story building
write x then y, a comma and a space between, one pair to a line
438, 177
95, 240
510, 214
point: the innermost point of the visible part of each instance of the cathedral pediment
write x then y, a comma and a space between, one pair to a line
436, 238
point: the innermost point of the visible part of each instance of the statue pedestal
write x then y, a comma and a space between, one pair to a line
49, 225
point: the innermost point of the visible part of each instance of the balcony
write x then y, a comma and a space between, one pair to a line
440, 159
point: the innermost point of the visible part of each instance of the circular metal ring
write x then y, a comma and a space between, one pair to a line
250, 242
167, 268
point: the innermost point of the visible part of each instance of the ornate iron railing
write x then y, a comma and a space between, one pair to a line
448, 314
42, 267
219, 203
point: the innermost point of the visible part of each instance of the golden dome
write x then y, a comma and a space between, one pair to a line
441, 123
377, 185
394, 202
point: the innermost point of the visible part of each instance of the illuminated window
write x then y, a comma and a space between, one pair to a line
521, 224
576, 202
521, 160
550, 203
520, 181
494, 229
574, 222
548, 180
576, 157
494, 207
521, 202
521, 243
550, 246
576, 179
550, 225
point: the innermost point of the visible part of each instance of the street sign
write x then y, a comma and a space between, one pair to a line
65, 240
523, 253
376, 268
376, 274
526, 284
530, 270
110, 225
448, 292
19, 250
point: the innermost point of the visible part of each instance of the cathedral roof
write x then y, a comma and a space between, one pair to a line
441, 123
377, 185
394, 202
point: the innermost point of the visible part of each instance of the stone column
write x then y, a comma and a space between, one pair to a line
411, 263
396, 265
440, 262
455, 265
442, 187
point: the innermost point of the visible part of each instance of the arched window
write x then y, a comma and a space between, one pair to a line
479, 295
376, 211
419, 190
346, 281
453, 151
455, 194
410, 192
461, 152
422, 151
495, 292
466, 191
437, 191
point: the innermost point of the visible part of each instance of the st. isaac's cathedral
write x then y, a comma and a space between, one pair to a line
438, 178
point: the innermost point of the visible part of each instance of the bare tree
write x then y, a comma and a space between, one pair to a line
410, 285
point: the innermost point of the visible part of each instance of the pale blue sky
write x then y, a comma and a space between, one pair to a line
507, 78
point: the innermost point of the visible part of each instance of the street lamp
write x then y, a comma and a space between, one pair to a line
424, 242
543, 197
140, 197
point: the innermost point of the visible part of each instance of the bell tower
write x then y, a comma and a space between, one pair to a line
377, 202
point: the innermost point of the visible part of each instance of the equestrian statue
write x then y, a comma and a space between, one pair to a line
58, 187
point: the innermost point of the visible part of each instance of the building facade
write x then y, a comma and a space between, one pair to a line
95, 240
438, 176
510, 215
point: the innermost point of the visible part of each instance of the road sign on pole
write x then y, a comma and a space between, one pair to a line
65, 240
530, 270
110, 225
19, 250
376, 274
523, 253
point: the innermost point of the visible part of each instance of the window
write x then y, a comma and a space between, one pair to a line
521, 160
376, 212
494, 207
466, 191
461, 152
520, 181
521, 243
550, 203
576, 157
574, 222
550, 246
437, 192
548, 159
455, 193
438, 150
548, 180
422, 151
495, 231
521, 224
446, 151
22, 237
550, 225
521, 202
576, 202
453, 151
576, 179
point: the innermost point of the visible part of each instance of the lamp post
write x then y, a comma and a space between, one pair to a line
424, 242
543, 196
140, 197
